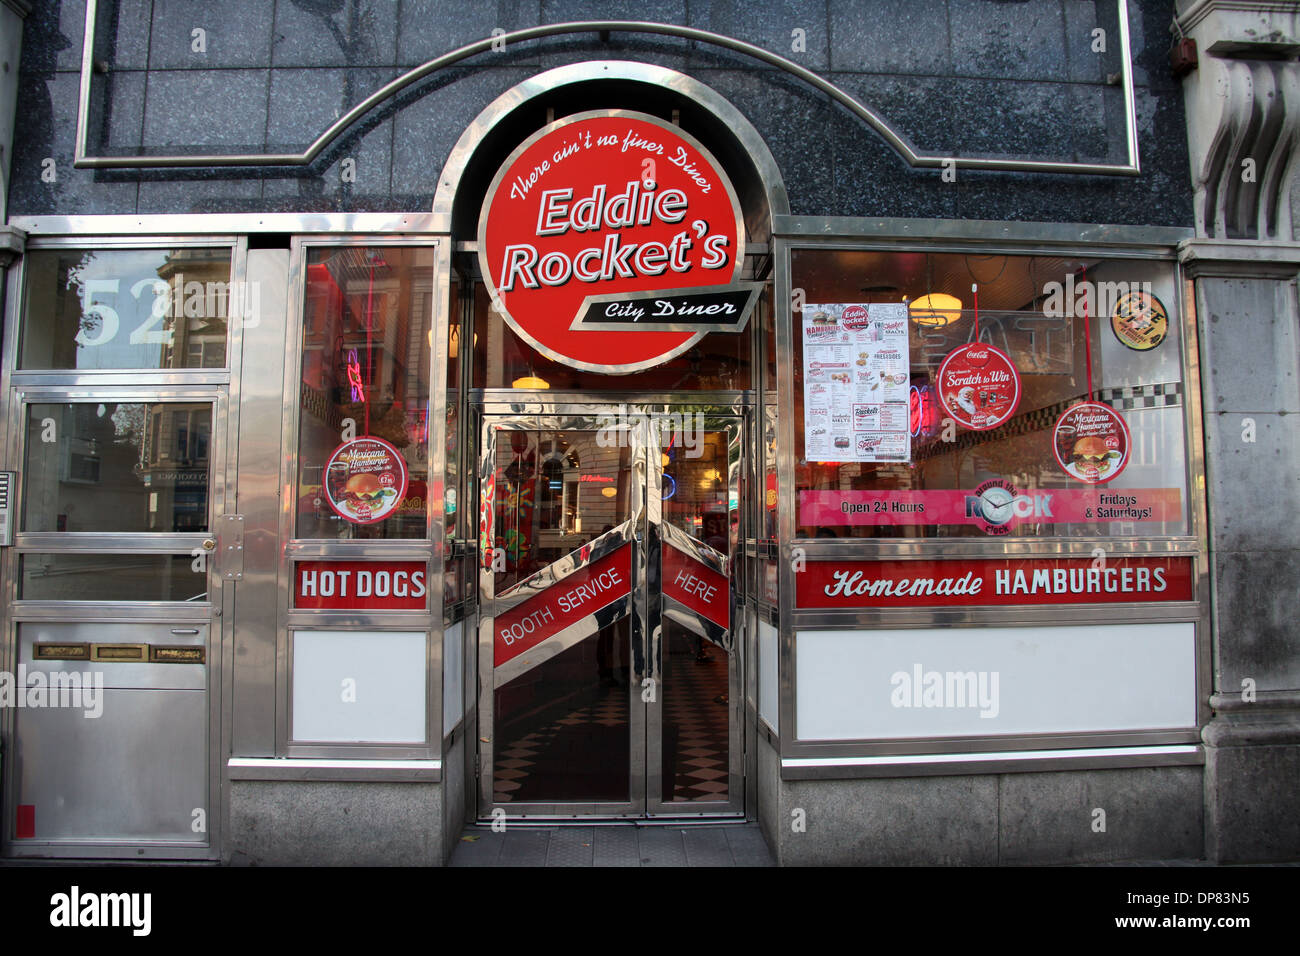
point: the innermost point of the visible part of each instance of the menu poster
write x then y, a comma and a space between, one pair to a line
856, 382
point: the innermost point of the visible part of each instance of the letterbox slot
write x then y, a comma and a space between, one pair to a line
49, 651
120, 653
182, 654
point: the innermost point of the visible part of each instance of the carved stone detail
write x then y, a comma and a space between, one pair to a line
1243, 116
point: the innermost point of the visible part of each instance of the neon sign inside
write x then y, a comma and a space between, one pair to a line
354, 377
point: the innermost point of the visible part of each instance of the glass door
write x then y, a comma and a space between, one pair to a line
694, 738
609, 673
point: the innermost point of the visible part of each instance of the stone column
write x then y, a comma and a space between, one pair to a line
12, 14
1243, 117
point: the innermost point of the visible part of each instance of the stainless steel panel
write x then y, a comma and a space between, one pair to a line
1038, 761
972, 747
230, 537
137, 773
334, 768
1196, 486
983, 235
274, 702
251, 673
120, 229
117, 674
143, 612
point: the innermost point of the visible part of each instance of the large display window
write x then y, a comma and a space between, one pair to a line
363, 433
943, 395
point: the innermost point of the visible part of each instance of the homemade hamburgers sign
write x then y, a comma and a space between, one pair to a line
614, 221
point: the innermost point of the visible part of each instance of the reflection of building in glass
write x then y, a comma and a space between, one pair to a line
174, 466
364, 359
132, 467
202, 300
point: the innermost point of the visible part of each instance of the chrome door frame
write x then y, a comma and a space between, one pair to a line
645, 531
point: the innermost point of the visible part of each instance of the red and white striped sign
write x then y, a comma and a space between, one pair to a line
580, 595
697, 586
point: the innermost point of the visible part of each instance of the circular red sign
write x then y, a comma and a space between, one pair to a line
1091, 442
978, 386
606, 203
364, 480
854, 318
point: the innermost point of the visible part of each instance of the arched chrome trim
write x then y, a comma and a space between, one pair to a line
862, 111
765, 165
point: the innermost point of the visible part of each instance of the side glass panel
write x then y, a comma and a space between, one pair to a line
562, 729
365, 375
127, 308
117, 466
555, 491
697, 499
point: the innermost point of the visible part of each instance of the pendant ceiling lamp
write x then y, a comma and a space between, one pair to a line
936, 310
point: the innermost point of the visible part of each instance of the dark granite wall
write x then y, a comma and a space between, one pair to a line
991, 77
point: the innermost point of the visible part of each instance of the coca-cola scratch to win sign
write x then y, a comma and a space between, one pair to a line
978, 386
614, 220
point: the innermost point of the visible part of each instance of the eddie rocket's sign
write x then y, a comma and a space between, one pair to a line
614, 221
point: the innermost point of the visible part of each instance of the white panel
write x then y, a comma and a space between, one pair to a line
860, 685
769, 707
387, 671
453, 654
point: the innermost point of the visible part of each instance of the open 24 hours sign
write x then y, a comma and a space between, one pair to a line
614, 221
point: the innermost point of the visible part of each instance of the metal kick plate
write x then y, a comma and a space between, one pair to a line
230, 531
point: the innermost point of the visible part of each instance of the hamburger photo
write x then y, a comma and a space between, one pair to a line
363, 493
1091, 458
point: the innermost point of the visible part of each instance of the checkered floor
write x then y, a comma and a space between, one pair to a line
580, 749
695, 724
581, 753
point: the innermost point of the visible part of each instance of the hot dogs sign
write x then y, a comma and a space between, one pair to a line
614, 221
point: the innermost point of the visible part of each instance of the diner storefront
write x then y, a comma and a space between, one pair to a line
613, 472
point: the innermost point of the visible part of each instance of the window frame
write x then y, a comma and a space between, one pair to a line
835, 759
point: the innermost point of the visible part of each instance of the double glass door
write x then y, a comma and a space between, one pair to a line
610, 682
